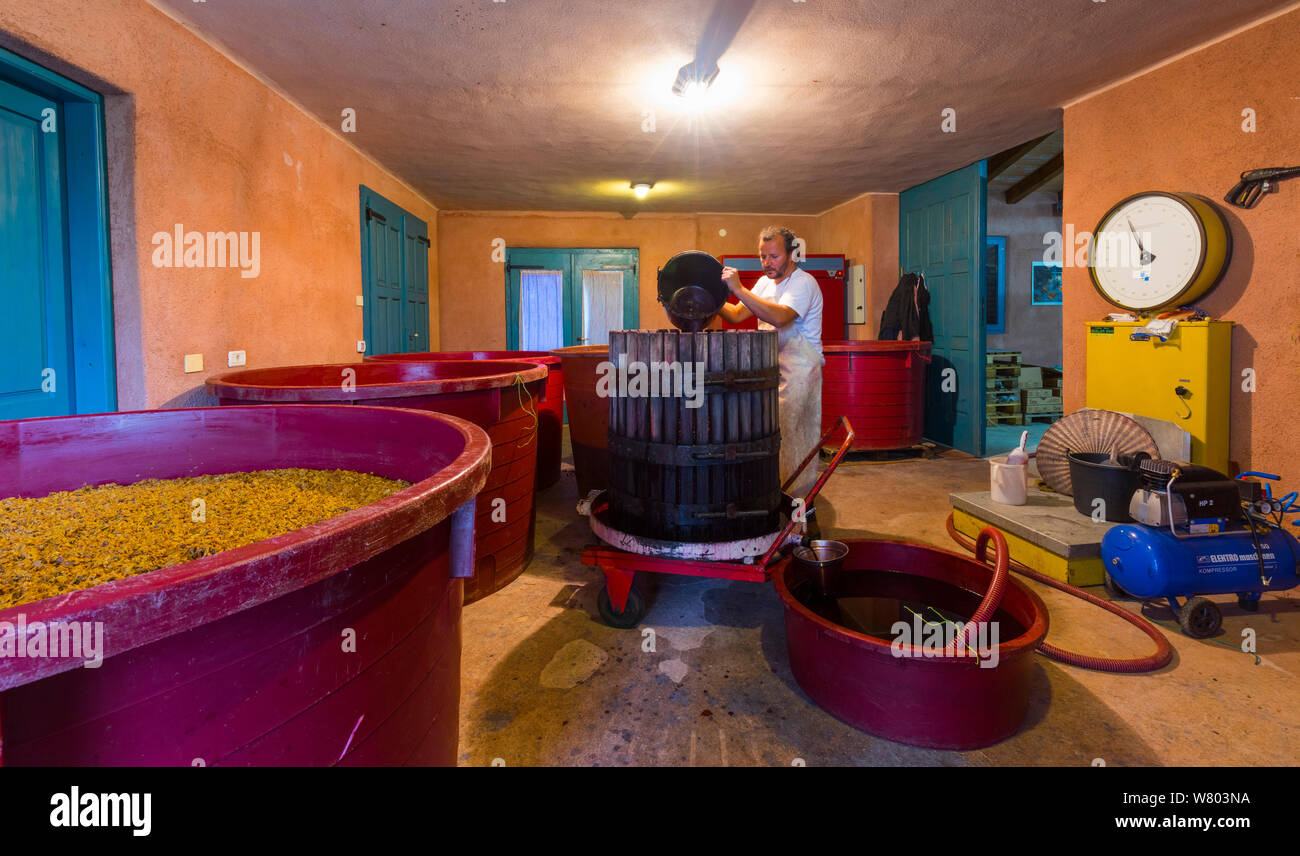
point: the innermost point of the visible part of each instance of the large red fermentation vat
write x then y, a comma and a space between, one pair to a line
500, 396
880, 387
240, 658
899, 691
588, 415
550, 412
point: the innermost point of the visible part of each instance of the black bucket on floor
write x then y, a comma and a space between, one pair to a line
1095, 476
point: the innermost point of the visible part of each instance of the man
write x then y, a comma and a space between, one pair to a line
788, 300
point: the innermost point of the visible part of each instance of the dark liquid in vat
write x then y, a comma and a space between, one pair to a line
870, 602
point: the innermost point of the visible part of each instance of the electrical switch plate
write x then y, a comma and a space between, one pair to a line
236, 358
193, 363
360, 300
361, 346
858, 294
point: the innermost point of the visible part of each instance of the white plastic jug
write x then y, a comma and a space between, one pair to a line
1008, 482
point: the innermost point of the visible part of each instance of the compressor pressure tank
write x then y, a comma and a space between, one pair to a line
1153, 563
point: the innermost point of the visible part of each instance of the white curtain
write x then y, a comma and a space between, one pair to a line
541, 303
602, 304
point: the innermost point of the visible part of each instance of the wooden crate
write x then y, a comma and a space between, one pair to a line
1040, 394
1040, 401
1039, 377
1002, 413
1002, 358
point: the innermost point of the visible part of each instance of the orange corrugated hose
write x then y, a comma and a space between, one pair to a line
1164, 653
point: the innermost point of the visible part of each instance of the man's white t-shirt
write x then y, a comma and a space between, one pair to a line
801, 293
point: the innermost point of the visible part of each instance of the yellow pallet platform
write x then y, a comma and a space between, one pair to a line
1041, 535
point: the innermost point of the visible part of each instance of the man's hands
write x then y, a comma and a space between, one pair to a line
734, 313
773, 313
731, 277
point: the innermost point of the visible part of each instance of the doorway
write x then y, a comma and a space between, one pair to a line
58, 321
941, 235
983, 238
561, 297
1022, 285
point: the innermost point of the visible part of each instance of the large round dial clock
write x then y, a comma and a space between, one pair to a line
1156, 249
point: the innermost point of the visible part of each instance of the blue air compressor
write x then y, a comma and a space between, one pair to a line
1197, 532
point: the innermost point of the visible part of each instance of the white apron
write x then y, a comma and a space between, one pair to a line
800, 409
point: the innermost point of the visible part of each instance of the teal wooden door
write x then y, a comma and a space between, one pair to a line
559, 297
539, 300
415, 242
36, 377
942, 235
605, 294
395, 276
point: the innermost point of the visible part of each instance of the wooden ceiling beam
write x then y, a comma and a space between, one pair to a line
1003, 161
1036, 179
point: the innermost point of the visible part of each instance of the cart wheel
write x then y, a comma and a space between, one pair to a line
1200, 618
631, 614
1114, 589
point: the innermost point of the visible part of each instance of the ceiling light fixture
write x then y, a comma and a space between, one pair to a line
694, 80
642, 188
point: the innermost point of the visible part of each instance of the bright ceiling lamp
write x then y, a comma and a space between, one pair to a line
693, 82
642, 188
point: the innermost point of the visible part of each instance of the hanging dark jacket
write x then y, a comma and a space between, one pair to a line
907, 315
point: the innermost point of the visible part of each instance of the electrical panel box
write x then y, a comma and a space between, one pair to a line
1186, 380
858, 294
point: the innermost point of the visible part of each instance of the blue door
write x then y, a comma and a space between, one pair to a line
36, 377
941, 234
395, 275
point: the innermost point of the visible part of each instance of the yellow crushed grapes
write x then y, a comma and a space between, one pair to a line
80, 538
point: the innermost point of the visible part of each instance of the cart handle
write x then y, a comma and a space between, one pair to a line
843, 450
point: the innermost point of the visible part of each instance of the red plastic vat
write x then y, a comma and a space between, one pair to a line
588, 415
880, 386
550, 412
237, 658
498, 396
940, 703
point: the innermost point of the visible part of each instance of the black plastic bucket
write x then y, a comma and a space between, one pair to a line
1094, 476
691, 289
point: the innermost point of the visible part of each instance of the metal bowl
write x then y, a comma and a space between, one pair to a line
823, 560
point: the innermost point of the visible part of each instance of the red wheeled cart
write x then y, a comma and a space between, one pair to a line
752, 559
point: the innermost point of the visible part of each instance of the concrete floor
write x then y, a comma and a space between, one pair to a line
545, 682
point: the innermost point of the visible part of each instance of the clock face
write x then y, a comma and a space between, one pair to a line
1148, 250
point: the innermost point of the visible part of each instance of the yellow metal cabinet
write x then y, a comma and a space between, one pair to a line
1186, 380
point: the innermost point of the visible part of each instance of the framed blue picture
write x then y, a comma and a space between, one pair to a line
995, 284
1045, 285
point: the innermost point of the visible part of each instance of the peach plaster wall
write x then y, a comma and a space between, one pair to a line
1180, 128
473, 285
193, 139
865, 229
